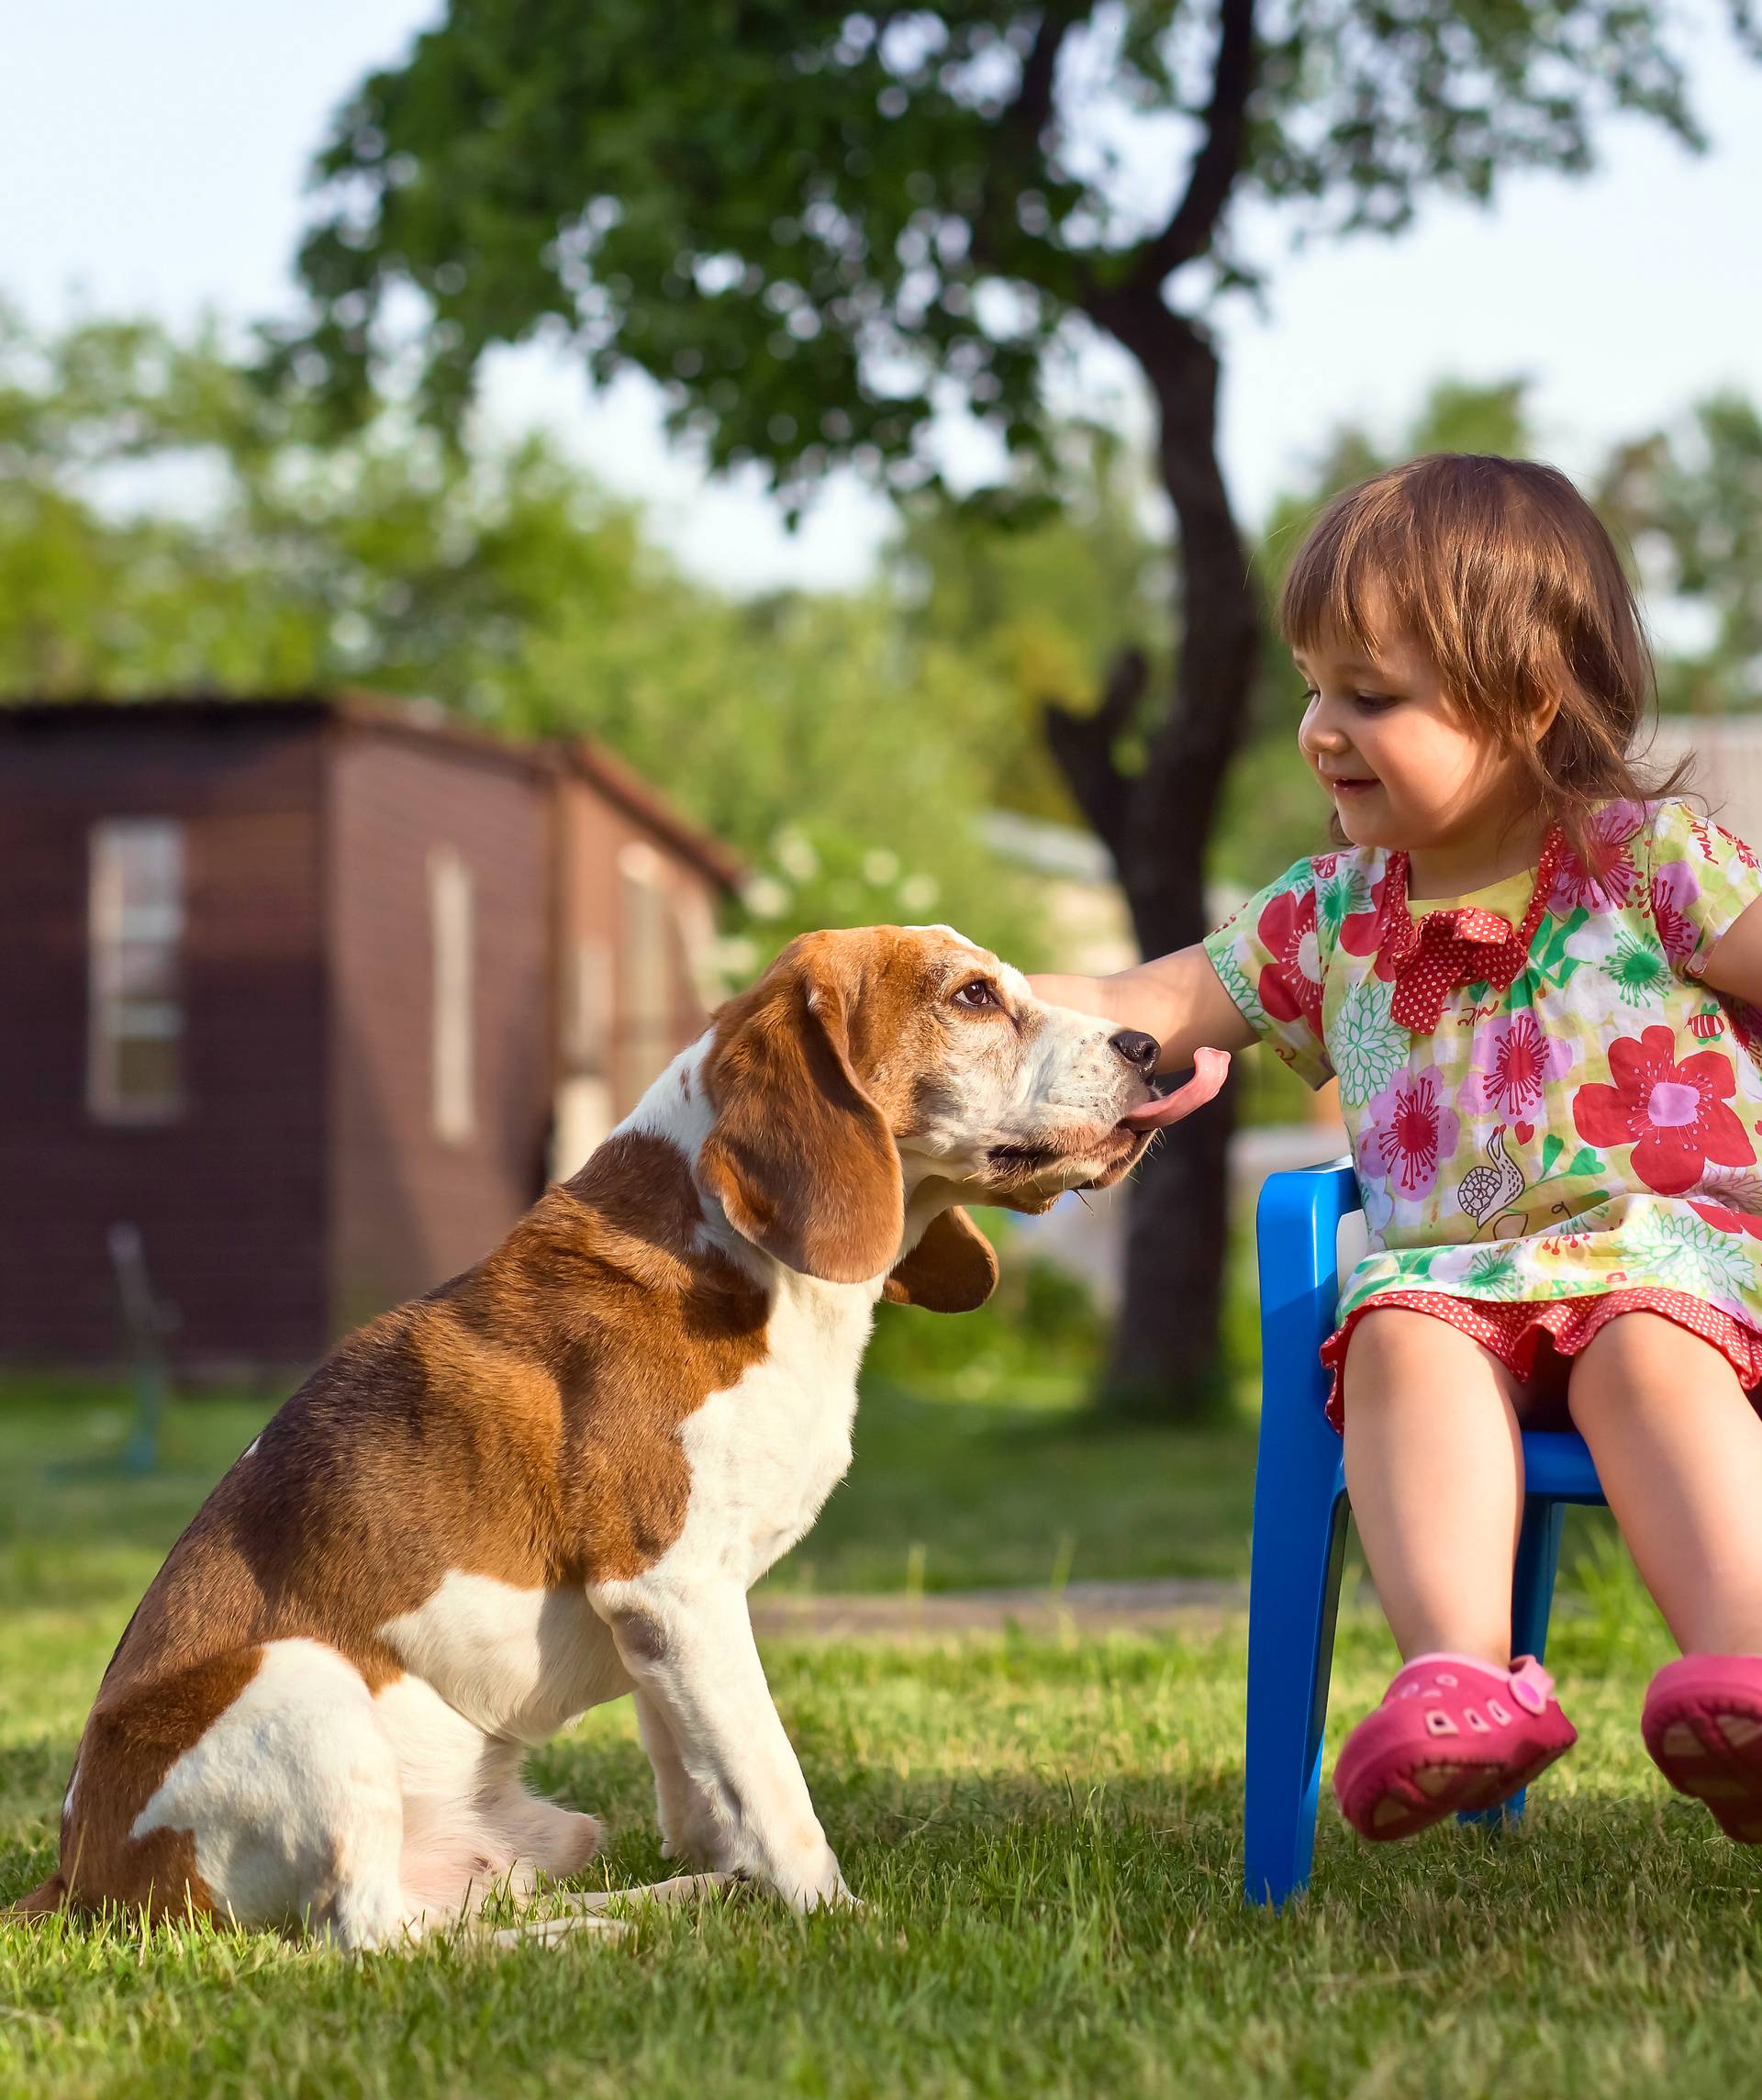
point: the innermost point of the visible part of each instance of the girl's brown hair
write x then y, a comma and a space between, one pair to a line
1501, 571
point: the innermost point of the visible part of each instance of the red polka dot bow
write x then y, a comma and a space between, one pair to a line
1428, 960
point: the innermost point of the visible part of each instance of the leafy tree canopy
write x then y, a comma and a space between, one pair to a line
815, 226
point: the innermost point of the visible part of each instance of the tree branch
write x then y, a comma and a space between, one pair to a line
1083, 747
1030, 113
1219, 159
1020, 124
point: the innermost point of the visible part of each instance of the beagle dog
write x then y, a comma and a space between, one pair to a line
552, 1481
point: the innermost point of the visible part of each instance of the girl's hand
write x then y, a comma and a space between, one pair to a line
1179, 999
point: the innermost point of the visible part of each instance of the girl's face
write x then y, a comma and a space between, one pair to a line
1403, 769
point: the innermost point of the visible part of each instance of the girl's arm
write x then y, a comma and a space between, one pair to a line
1734, 965
1178, 998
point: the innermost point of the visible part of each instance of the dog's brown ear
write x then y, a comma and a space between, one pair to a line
952, 1269
800, 1158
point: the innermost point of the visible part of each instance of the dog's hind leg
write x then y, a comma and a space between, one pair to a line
471, 1828
538, 1836
259, 1789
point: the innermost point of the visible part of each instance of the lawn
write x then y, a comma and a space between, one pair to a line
1046, 1836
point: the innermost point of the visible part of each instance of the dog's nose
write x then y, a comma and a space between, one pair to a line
1137, 1048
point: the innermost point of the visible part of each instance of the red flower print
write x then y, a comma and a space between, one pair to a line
1361, 933
1513, 1061
1674, 888
1407, 1130
1611, 873
1744, 855
1290, 985
1674, 1115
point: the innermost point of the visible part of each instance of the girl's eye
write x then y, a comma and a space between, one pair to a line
1374, 703
979, 994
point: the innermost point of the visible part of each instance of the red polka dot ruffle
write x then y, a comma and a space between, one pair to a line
1514, 1333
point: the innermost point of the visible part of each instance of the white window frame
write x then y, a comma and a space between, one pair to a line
115, 925
452, 1033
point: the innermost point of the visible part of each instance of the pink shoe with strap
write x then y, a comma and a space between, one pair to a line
1451, 1734
1702, 1724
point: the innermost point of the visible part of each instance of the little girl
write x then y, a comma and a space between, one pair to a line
1535, 985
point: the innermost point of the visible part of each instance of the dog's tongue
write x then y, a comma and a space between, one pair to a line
1210, 1068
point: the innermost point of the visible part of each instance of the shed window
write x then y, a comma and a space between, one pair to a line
135, 941
450, 920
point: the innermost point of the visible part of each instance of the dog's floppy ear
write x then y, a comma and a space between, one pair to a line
800, 1158
952, 1269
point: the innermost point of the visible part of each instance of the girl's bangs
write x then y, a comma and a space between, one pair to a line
1355, 557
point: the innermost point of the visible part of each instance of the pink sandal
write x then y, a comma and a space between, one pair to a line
1451, 1734
1702, 1724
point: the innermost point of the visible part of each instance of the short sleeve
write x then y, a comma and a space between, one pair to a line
1700, 880
1268, 959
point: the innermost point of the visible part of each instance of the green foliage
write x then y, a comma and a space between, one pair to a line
1037, 604
815, 231
165, 525
1689, 500
1040, 1333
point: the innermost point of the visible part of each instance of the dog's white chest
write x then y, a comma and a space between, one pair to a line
519, 1663
766, 1454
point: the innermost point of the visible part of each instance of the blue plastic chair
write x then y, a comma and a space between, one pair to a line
1300, 1530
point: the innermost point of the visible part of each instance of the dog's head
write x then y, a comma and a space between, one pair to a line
868, 1067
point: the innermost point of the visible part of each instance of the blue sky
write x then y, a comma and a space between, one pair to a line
153, 158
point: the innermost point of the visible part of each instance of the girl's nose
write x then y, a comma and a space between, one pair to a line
1317, 730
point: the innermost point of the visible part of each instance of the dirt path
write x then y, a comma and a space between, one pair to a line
1097, 1607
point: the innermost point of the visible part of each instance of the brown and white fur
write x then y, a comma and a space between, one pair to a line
552, 1481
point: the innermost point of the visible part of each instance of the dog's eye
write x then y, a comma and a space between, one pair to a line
979, 993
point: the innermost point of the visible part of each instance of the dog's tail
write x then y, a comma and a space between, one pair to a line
42, 1902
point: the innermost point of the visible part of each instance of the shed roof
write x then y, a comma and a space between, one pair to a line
421, 720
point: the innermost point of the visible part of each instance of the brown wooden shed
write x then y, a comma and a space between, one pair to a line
316, 993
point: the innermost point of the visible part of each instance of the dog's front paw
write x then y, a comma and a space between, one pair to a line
818, 1884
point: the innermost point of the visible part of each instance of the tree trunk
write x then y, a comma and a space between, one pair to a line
1165, 1356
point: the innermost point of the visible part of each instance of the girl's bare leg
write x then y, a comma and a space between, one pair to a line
1434, 1470
1679, 1450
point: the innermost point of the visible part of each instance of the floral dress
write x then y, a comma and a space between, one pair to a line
1551, 1119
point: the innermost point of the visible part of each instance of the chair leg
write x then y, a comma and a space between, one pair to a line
1538, 1561
1294, 1595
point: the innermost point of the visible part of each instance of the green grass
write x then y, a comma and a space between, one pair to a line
1046, 1836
